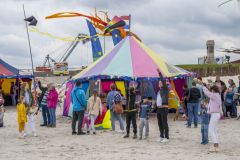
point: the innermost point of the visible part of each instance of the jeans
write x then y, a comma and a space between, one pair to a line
131, 117
204, 127
52, 112
119, 117
192, 113
234, 108
199, 110
144, 123
13, 97
162, 122
77, 116
1, 118
91, 126
45, 115
215, 117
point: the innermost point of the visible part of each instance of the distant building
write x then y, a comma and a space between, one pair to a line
210, 52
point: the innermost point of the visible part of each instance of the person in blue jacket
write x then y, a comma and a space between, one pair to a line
78, 99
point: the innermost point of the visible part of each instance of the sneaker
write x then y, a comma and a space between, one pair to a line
35, 134
165, 140
140, 138
126, 136
94, 132
24, 135
122, 132
188, 126
135, 136
195, 126
43, 125
160, 140
88, 132
74, 133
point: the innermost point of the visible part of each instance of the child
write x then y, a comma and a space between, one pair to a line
205, 123
22, 117
1, 110
145, 108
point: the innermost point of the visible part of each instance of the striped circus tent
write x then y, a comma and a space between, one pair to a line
130, 59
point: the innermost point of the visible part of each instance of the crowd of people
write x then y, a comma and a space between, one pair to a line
203, 103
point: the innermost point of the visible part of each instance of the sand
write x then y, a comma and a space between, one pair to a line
58, 143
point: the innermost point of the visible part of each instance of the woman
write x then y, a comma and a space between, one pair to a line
25, 92
113, 98
214, 108
52, 99
185, 99
94, 109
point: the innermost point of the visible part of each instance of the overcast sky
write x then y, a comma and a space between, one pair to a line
175, 29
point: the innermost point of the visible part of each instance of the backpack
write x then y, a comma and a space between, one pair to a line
229, 99
117, 97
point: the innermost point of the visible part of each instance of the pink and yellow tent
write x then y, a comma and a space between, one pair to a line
130, 59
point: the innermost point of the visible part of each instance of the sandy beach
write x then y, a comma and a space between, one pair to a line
58, 143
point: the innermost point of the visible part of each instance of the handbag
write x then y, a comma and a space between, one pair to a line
118, 108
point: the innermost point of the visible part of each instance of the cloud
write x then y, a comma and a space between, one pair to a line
171, 28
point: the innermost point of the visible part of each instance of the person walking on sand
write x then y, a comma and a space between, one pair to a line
22, 117
29, 101
94, 109
111, 102
162, 109
131, 112
13, 92
52, 100
215, 110
43, 101
193, 103
78, 99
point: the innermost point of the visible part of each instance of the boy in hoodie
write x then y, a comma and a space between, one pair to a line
131, 112
145, 108
78, 99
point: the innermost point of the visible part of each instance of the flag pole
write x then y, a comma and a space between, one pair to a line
129, 25
30, 49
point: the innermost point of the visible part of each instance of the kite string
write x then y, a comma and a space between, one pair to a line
66, 39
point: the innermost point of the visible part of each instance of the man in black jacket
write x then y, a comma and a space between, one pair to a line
42, 103
162, 109
131, 112
193, 101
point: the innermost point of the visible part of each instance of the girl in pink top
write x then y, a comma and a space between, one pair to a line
214, 108
52, 105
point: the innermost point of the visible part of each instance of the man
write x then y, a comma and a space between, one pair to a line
162, 109
110, 103
131, 112
193, 102
43, 104
78, 99
13, 92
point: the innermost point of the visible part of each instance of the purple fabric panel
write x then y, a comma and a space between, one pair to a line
102, 65
179, 83
67, 101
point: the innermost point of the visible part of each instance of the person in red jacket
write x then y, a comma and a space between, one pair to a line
52, 105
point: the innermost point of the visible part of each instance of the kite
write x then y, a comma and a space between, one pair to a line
99, 23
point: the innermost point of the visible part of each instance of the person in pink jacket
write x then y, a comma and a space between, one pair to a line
214, 109
52, 105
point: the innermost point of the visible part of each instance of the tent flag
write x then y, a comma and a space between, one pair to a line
127, 21
96, 45
116, 37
